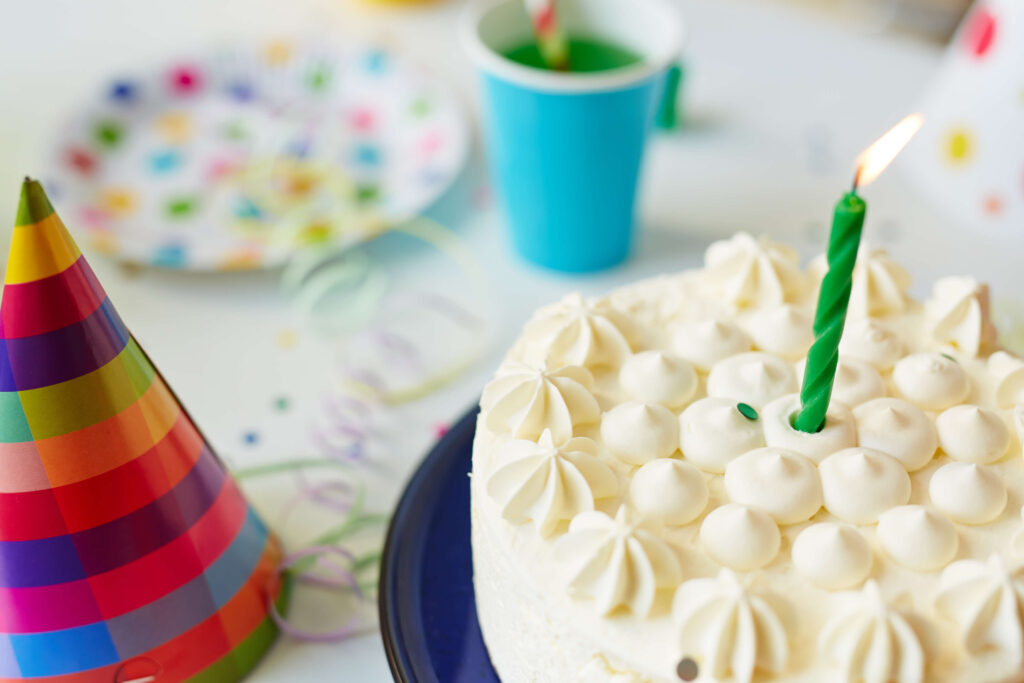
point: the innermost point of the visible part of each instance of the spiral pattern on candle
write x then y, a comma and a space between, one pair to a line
829, 319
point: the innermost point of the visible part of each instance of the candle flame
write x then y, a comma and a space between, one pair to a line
878, 156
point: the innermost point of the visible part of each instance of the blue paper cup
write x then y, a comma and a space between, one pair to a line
565, 148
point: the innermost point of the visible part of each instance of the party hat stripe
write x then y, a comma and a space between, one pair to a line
13, 425
156, 623
134, 585
8, 662
71, 458
51, 303
110, 495
20, 466
121, 541
40, 250
191, 652
29, 515
48, 608
61, 355
57, 652
84, 401
161, 620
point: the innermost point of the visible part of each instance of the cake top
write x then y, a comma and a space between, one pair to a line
640, 448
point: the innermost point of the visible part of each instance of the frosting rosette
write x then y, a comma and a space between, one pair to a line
968, 492
958, 312
755, 378
782, 483
740, 537
669, 491
869, 340
712, 431
917, 538
659, 377
638, 432
545, 483
616, 563
897, 428
584, 332
832, 555
707, 342
525, 401
731, 628
971, 433
859, 484
870, 641
748, 272
932, 381
986, 602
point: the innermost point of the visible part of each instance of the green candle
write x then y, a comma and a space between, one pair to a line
834, 298
830, 316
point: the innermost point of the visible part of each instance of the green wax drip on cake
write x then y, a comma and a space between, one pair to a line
830, 316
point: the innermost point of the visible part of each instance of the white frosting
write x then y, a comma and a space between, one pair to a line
524, 401
969, 493
869, 641
640, 432
747, 272
658, 377
616, 563
972, 434
782, 483
879, 284
855, 381
832, 556
755, 378
712, 432
897, 428
740, 537
871, 341
917, 537
669, 491
752, 518
546, 484
706, 343
859, 484
1008, 372
839, 432
958, 312
731, 628
986, 602
1017, 540
931, 380
785, 331
578, 331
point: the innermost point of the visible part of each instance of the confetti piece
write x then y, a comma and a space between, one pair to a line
287, 339
250, 438
958, 146
282, 404
747, 411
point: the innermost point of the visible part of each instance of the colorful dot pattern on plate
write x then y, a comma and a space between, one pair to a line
969, 157
181, 167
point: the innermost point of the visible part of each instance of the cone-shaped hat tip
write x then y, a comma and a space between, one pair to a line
34, 206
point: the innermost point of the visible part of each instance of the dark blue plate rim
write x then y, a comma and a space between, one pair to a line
398, 602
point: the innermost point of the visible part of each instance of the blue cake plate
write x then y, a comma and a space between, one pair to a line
427, 608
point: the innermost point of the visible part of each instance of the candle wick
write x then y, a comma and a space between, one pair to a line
856, 178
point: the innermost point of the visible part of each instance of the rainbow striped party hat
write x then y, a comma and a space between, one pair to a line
127, 552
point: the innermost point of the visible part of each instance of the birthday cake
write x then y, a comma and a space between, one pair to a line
644, 510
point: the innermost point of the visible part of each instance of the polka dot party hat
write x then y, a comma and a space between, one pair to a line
969, 157
127, 552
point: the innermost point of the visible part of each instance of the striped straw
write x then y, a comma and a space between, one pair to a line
551, 41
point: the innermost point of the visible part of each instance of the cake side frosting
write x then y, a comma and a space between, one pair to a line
638, 486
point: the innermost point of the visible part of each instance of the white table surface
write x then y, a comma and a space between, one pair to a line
778, 104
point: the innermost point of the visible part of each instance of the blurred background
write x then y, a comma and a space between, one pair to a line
360, 348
